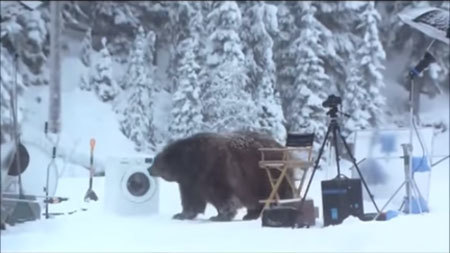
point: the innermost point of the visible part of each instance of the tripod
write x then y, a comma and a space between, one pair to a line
336, 131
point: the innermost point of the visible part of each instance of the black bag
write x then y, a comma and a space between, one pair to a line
290, 215
279, 216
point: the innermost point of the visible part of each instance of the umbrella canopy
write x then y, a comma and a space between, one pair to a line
432, 21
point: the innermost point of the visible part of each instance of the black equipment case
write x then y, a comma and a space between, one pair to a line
341, 197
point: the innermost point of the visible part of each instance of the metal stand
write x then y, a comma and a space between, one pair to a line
409, 183
336, 131
52, 163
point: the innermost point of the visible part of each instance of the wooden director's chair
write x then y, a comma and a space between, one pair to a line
295, 156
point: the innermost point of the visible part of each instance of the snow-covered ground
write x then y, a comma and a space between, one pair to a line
97, 230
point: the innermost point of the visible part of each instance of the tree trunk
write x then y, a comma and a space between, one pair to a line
55, 63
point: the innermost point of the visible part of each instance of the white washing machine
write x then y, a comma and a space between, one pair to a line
129, 188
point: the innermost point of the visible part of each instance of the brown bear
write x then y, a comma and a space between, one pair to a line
220, 169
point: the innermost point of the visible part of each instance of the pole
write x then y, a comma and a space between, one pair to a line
55, 63
16, 133
411, 127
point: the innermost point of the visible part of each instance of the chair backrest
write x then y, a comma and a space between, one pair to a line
299, 140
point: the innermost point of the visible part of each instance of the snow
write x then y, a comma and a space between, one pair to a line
428, 105
98, 230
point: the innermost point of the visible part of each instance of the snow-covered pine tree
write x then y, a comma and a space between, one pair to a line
103, 82
186, 20
307, 115
261, 20
285, 53
226, 104
135, 108
137, 64
11, 36
136, 120
206, 7
371, 55
116, 21
86, 48
439, 72
33, 41
339, 19
7, 82
85, 57
355, 99
187, 117
73, 14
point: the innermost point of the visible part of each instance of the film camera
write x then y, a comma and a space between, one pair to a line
332, 101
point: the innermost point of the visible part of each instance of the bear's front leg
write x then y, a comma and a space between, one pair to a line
192, 202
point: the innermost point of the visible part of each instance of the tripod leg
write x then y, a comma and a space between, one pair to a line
357, 168
335, 129
403, 203
316, 164
390, 199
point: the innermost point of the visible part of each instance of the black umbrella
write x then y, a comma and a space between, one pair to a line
432, 21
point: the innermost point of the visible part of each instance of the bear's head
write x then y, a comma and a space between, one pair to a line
170, 164
164, 167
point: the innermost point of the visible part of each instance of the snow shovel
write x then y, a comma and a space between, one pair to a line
90, 194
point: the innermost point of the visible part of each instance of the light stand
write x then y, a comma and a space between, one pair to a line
52, 162
409, 182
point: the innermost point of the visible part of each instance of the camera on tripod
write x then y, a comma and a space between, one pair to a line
341, 196
332, 101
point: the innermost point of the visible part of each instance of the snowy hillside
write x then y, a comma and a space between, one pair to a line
90, 118
79, 123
